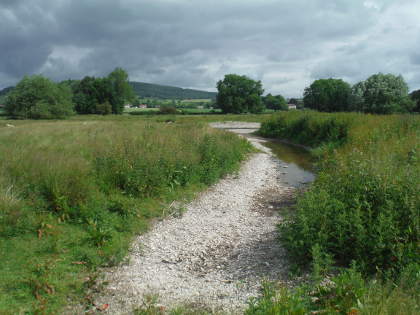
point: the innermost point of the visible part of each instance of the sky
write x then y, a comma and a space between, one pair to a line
286, 44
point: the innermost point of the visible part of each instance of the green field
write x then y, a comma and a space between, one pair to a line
202, 100
74, 193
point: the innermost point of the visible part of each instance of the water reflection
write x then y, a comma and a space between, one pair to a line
296, 164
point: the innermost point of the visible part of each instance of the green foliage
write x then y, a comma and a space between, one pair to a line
309, 128
277, 102
169, 92
121, 90
364, 204
72, 195
328, 95
37, 97
102, 95
4, 92
239, 94
382, 94
415, 96
347, 294
168, 110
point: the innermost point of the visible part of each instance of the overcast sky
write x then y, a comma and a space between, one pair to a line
191, 43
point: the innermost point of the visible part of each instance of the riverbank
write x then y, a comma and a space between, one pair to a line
216, 254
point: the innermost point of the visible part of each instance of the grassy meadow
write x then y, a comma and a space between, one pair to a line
73, 193
361, 213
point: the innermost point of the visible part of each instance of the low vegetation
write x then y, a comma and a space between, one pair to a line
73, 193
362, 211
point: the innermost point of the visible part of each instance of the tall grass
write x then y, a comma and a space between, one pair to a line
364, 205
361, 211
73, 193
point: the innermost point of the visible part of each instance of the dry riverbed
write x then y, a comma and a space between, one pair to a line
216, 254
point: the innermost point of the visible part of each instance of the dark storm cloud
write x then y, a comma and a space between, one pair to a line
284, 43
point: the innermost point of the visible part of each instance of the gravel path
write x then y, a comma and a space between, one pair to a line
217, 253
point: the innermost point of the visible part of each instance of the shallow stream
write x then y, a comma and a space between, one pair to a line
296, 163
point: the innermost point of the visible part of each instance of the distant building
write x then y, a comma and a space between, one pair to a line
2, 106
127, 105
142, 106
291, 106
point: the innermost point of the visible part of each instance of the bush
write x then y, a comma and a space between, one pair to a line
168, 110
364, 203
37, 97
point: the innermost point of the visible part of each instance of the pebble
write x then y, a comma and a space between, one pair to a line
220, 249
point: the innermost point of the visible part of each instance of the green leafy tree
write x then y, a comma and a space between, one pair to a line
85, 95
277, 102
382, 94
37, 97
294, 101
415, 96
121, 90
239, 94
93, 95
328, 95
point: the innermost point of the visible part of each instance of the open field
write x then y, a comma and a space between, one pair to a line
73, 193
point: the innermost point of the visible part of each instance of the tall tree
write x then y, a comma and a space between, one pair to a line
328, 95
121, 90
239, 94
103, 95
382, 94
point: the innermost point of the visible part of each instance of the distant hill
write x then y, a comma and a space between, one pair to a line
154, 90
169, 92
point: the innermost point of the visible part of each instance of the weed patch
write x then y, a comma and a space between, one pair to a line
73, 194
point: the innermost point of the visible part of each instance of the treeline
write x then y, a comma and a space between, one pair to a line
150, 90
379, 94
37, 97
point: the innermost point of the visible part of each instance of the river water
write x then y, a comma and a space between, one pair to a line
296, 163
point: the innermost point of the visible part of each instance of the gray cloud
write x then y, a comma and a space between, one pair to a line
284, 43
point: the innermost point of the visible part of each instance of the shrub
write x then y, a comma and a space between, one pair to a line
168, 110
364, 203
